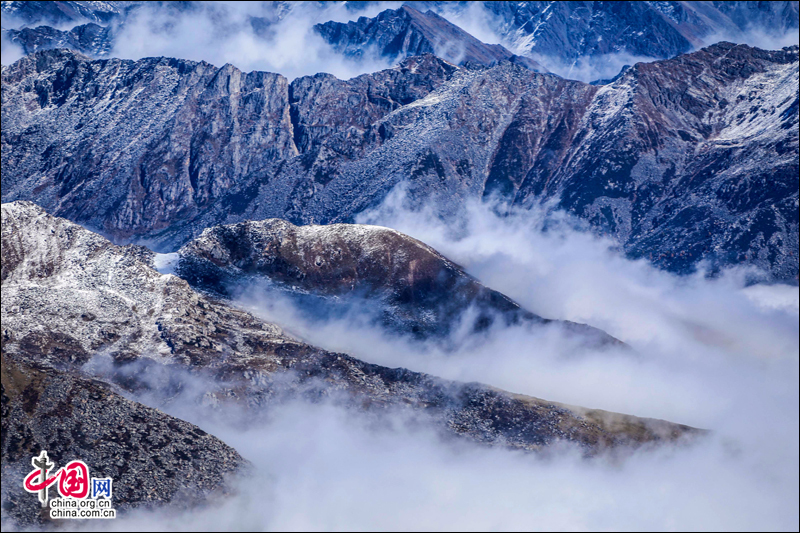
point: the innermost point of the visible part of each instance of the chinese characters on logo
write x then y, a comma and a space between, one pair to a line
73, 486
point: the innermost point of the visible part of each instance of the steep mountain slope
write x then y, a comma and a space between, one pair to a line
406, 32
568, 31
153, 458
59, 13
191, 134
690, 159
684, 160
160, 117
408, 285
90, 39
110, 301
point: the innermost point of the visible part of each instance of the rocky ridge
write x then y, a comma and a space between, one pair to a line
60, 13
153, 458
685, 160
72, 300
406, 32
90, 39
409, 286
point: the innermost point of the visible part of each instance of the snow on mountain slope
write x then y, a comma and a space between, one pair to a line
409, 286
159, 149
406, 32
69, 295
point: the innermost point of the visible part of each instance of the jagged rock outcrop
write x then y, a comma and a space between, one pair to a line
407, 284
568, 31
331, 116
153, 458
59, 13
90, 39
685, 160
162, 120
406, 32
110, 301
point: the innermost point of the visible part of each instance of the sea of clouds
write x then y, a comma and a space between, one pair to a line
224, 32
712, 353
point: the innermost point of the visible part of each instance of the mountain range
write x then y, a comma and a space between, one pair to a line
682, 161
86, 323
557, 33
148, 203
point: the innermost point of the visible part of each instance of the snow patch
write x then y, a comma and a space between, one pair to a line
166, 263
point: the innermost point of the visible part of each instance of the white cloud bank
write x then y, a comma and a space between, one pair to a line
9, 51
710, 353
221, 32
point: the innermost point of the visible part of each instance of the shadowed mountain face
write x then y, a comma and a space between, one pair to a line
110, 301
411, 287
406, 32
684, 160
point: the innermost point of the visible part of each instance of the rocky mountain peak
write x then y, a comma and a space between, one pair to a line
111, 301
202, 146
407, 32
409, 286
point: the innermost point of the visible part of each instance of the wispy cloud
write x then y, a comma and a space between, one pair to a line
9, 51
283, 41
765, 38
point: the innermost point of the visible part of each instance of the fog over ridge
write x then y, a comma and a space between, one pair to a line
280, 38
720, 353
714, 353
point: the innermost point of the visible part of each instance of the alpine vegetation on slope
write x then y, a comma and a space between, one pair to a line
153, 458
110, 302
682, 161
408, 285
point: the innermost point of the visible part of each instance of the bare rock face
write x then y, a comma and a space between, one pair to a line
60, 13
406, 32
202, 135
110, 301
334, 113
688, 160
416, 289
571, 30
90, 39
153, 458
201, 130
